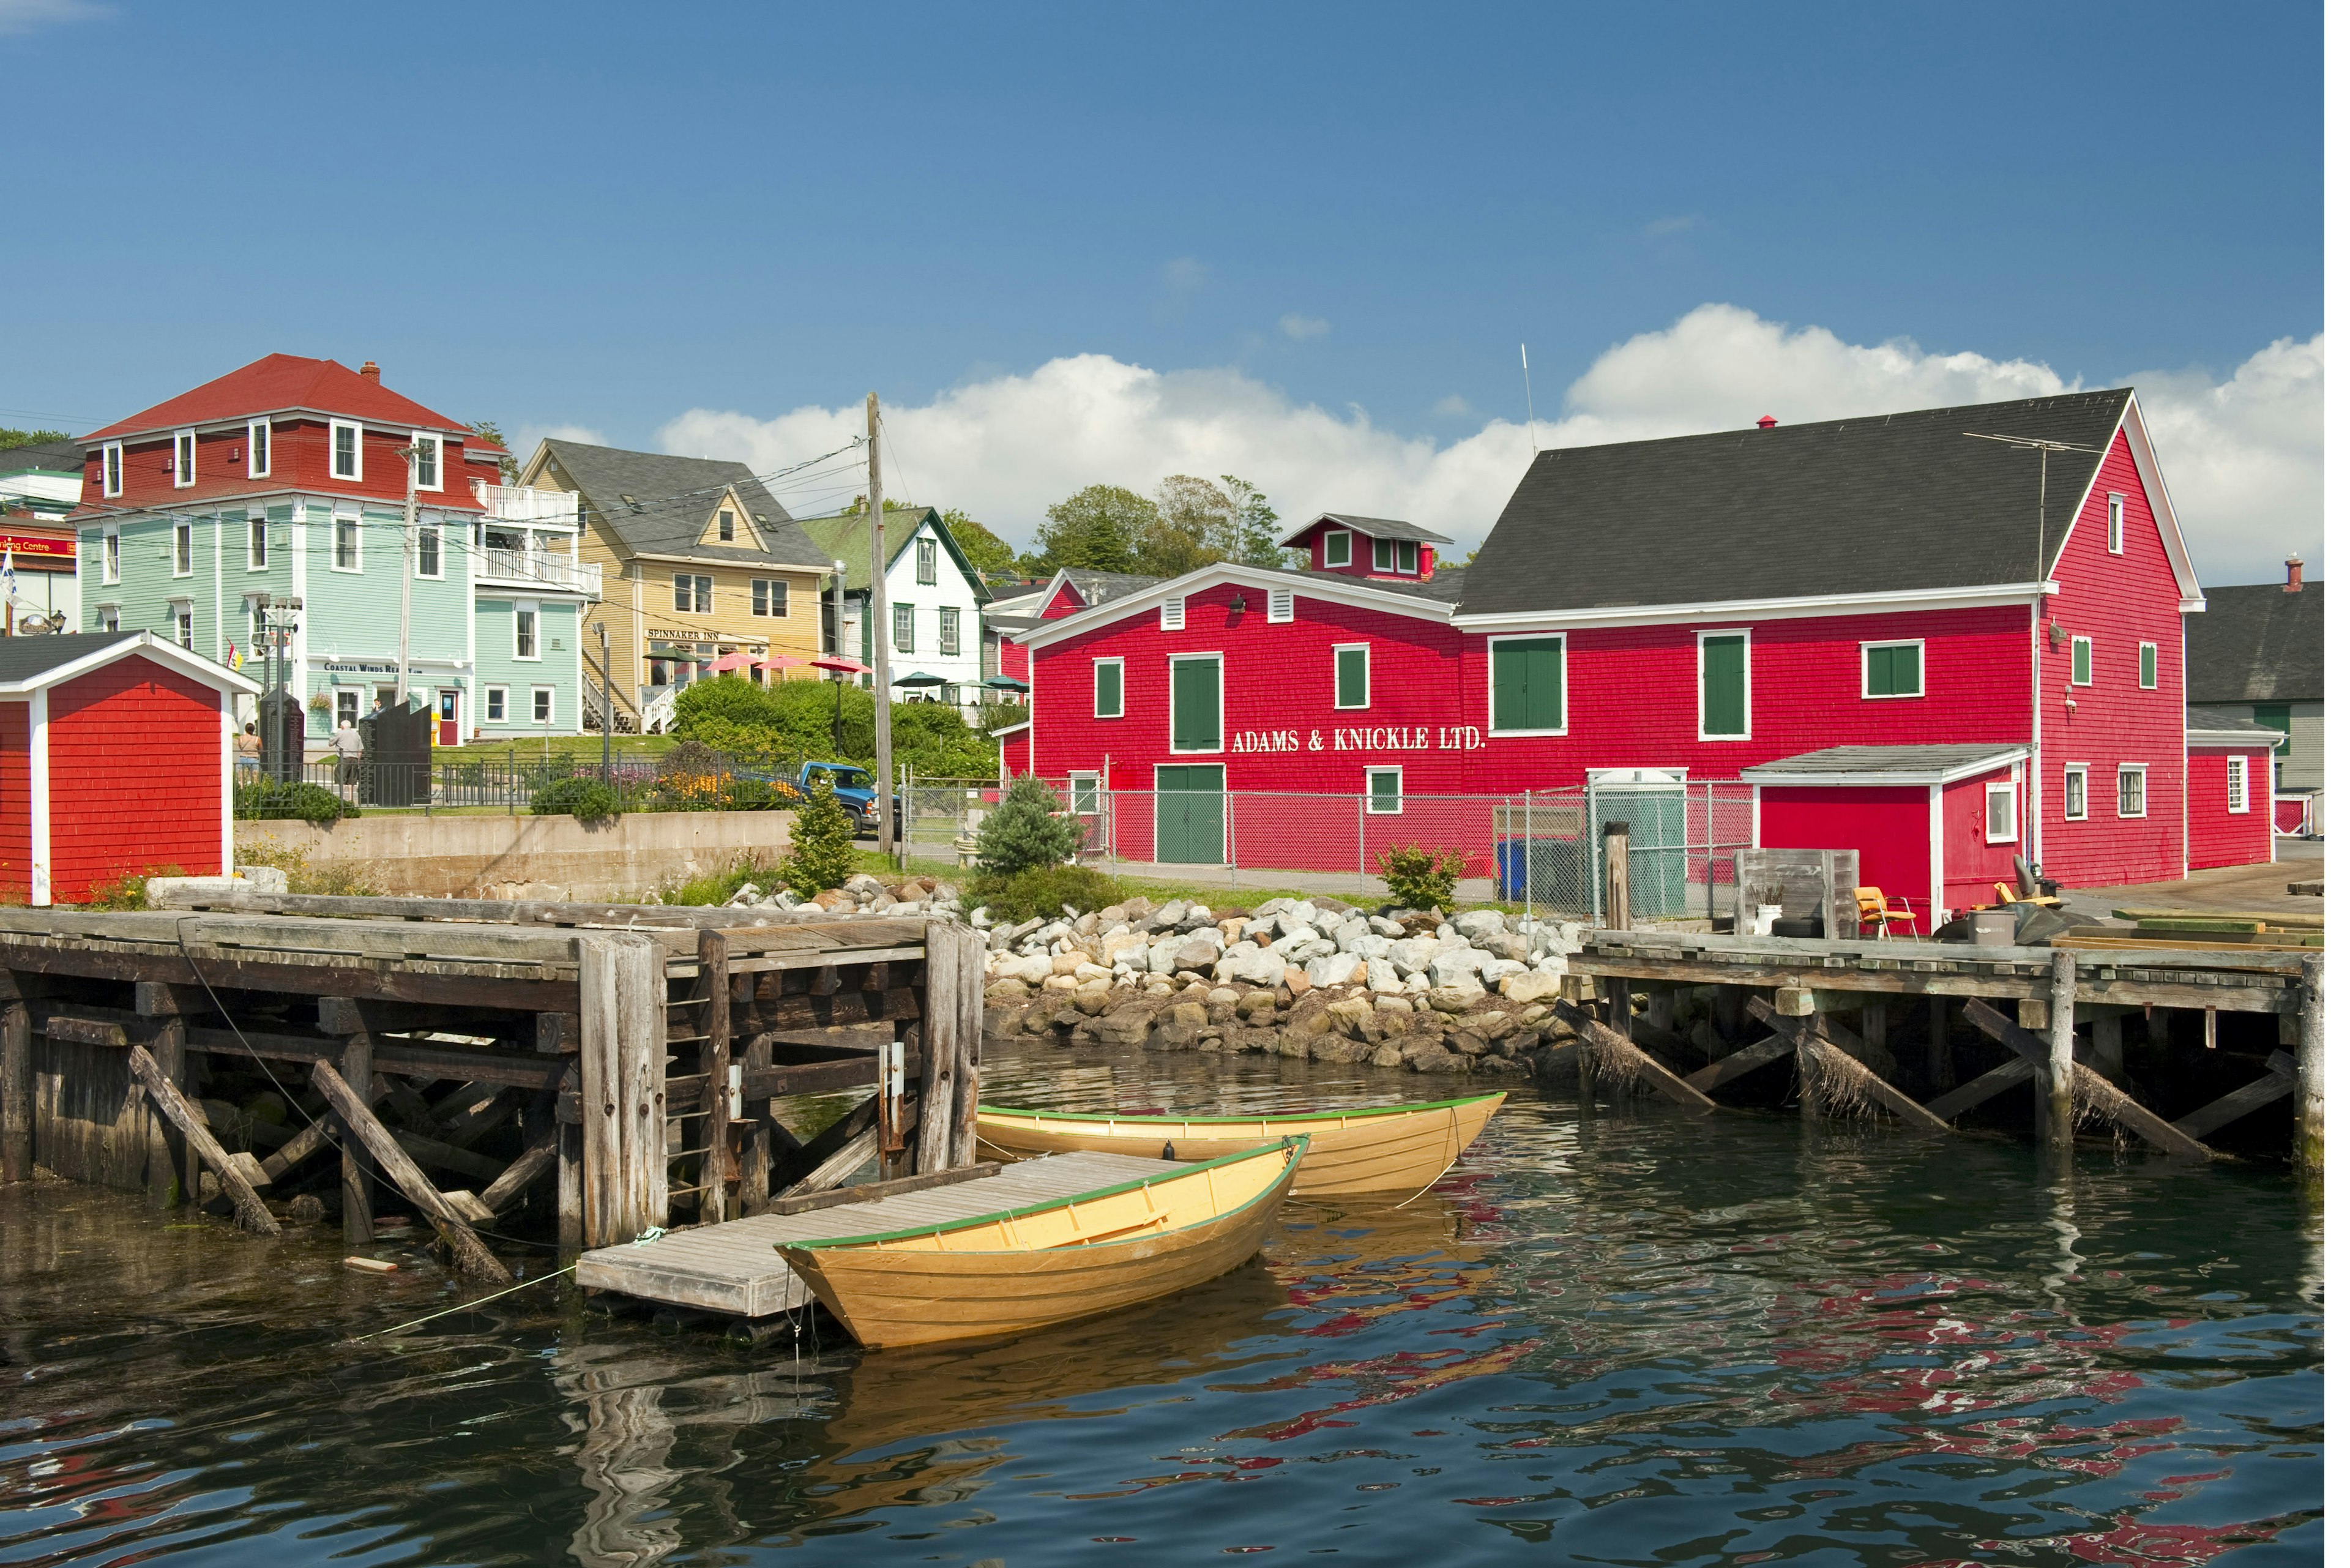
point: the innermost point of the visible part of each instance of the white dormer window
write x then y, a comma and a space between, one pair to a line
2113, 523
1383, 555
427, 460
1170, 615
725, 525
256, 449
1281, 607
926, 562
109, 468
184, 460
1337, 548
343, 454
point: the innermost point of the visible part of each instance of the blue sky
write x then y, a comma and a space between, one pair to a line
602, 218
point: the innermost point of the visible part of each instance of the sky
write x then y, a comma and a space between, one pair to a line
1109, 244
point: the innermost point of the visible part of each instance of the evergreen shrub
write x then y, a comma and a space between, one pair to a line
1025, 830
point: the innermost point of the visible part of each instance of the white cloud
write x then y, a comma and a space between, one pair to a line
31, 15
527, 436
1185, 274
1303, 326
1451, 406
2243, 456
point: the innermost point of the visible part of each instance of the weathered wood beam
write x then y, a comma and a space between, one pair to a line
2258, 995
2309, 1101
843, 1163
251, 1214
956, 971
1615, 1049
811, 1155
299, 974
1818, 1034
2053, 1076
473, 1260
718, 1173
874, 1191
1975, 1091
16, 1092
2274, 1084
529, 1167
1762, 1053
2103, 1098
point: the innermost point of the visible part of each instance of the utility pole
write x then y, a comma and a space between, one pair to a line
407, 571
604, 668
875, 606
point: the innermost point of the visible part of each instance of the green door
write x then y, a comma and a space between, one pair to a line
1192, 814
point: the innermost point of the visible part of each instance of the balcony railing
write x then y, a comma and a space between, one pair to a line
543, 569
520, 503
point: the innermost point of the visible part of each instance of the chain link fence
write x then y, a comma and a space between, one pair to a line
707, 782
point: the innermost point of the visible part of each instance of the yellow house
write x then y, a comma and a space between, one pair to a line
700, 562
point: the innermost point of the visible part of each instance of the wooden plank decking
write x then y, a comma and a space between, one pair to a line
735, 1268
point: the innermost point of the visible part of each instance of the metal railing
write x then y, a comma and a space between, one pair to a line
542, 568
475, 781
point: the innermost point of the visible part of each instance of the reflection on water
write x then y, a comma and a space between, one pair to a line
1634, 1339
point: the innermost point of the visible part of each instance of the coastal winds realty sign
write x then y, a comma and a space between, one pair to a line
1365, 738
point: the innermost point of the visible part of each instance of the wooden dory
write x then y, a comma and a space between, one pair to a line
1382, 1148
1051, 1263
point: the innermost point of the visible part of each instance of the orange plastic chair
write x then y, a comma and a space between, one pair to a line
1874, 912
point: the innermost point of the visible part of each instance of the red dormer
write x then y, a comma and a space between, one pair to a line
283, 422
1371, 547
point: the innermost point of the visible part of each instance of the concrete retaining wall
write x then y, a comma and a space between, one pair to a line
534, 857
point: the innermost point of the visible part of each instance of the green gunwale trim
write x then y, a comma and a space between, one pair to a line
1296, 1147
1224, 1121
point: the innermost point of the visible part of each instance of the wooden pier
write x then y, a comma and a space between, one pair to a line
2029, 1004
608, 1068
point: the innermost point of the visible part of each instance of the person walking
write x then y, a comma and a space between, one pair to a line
349, 749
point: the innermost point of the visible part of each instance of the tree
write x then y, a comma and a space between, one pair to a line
9, 437
977, 542
1100, 528
508, 469
1251, 532
1025, 831
823, 850
1179, 539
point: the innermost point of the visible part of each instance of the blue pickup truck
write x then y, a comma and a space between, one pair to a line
852, 786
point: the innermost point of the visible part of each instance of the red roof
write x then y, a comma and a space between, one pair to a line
283, 381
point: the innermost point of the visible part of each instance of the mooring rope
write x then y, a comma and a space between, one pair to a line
651, 1233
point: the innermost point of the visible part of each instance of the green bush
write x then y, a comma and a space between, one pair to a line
792, 719
273, 801
589, 799
1025, 831
1041, 891
1419, 880
823, 846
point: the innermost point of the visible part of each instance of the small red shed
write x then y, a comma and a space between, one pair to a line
117, 756
2231, 812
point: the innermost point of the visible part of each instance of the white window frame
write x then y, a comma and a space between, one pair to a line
2122, 771
183, 550
440, 459
2240, 785
183, 611
1085, 793
542, 696
702, 588
109, 554
335, 543
1224, 712
1383, 547
256, 449
1565, 698
2143, 650
440, 551
2076, 771
1867, 695
183, 459
681, 583
726, 525
1279, 607
110, 617
109, 468
257, 531
495, 710
950, 618
1746, 668
347, 696
1344, 553
1364, 706
359, 450
2081, 670
1371, 806
1170, 615
926, 562
2004, 789
1120, 662
912, 634
2114, 517
537, 634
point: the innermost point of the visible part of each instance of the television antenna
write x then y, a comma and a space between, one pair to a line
2034, 443
1526, 369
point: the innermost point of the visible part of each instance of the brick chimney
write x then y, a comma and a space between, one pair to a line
2292, 574
373, 372
1767, 422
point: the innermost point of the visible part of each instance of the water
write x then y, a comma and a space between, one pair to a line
1626, 1339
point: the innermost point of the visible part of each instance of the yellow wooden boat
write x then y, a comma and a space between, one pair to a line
1054, 1261
1380, 1149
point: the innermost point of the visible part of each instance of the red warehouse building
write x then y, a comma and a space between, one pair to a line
1873, 624
117, 758
2231, 789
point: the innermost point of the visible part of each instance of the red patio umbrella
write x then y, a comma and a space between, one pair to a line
733, 661
846, 666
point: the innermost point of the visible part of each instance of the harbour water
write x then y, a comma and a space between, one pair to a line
1623, 1337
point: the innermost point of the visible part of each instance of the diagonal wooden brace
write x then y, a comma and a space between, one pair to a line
473, 1259
251, 1214
1598, 1035
2275, 1085
2100, 1094
1823, 1035
1975, 1091
1738, 1064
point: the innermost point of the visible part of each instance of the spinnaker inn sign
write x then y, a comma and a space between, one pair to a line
1364, 737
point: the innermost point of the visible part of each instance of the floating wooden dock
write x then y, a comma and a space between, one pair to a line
624, 1056
2030, 1003
735, 1268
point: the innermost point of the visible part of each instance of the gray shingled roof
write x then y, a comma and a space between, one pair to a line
673, 498
1101, 588
1377, 527
1862, 506
2213, 721
1925, 763
48, 456
23, 657
2258, 644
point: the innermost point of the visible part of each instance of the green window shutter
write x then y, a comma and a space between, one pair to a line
1109, 690
1529, 685
1354, 677
2080, 661
1722, 705
1199, 706
2276, 716
1894, 672
1387, 790
2146, 665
